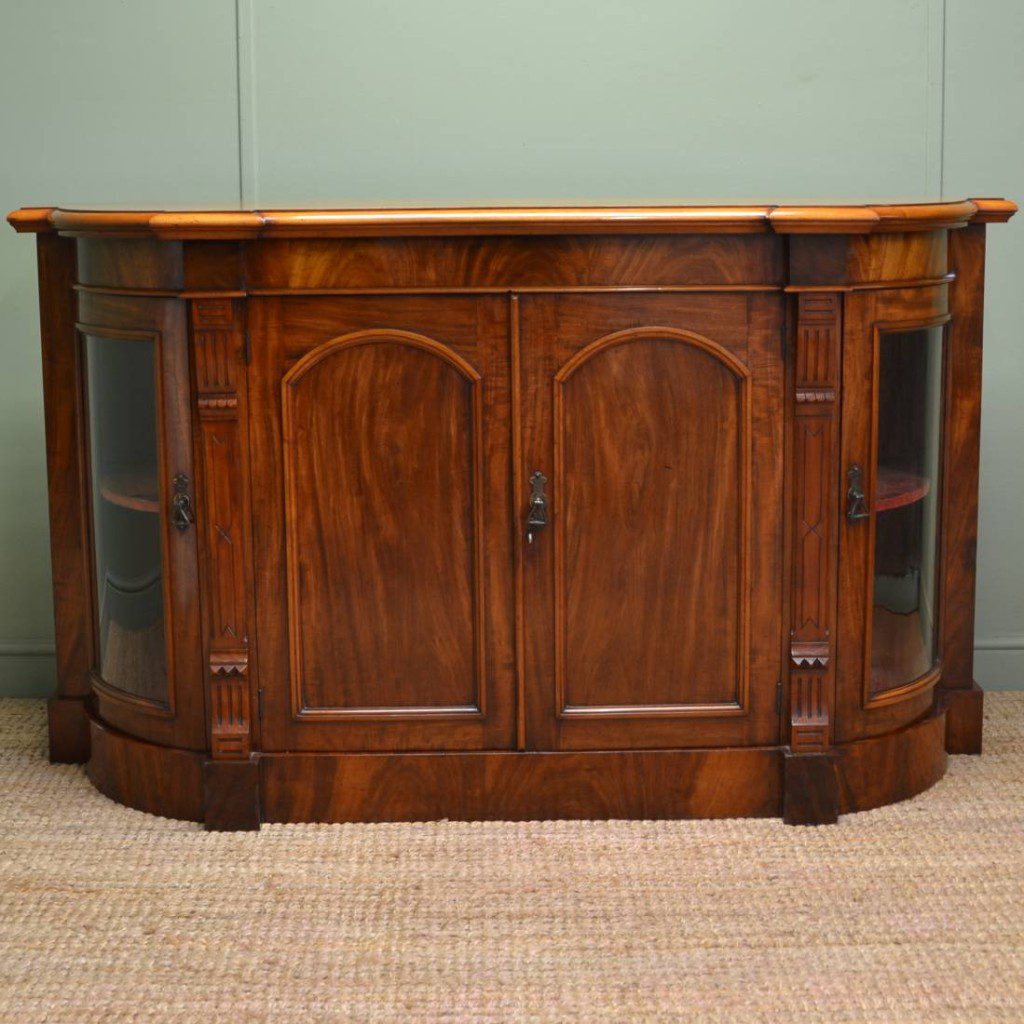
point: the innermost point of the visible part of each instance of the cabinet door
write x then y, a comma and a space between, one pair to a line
652, 599
893, 410
382, 513
147, 673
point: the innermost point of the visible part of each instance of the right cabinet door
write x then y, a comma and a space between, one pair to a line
893, 412
650, 599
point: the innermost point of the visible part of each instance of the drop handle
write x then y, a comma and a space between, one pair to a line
856, 502
537, 518
182, 516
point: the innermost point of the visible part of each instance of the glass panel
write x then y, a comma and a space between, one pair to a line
904, 642
122, 403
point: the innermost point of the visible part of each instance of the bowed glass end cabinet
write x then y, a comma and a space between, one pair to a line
393, 515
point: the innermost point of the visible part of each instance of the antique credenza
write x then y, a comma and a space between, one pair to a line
366, 515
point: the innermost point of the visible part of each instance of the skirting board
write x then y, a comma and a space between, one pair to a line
999, 664
27, 670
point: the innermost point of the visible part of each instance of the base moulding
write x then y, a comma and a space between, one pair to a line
516, 786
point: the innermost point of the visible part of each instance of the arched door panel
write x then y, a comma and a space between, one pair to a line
645, 604
385, 529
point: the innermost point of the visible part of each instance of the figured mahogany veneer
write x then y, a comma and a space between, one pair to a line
515, 513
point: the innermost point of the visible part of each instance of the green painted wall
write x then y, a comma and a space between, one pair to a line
984, 154
103, 102
316, 102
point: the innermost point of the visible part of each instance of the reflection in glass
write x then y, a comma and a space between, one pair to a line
904, 641
128, 558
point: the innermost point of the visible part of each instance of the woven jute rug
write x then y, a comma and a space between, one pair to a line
910, 913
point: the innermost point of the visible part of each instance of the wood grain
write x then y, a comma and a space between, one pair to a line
67, 481
816, 379
810, 788
637, 598
231, 799
727, 782
381, 450
381, 432
897, 258
895, 766
147, 776
965, 710
217, 342
844, 263
576, 261
652, 458
247, 224
67, 730
961, 456
513, 786
143, 263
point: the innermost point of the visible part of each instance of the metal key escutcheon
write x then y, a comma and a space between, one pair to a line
538, 515
856, 502
182, 516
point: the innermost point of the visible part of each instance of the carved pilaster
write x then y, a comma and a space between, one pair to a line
815, 475
218, 358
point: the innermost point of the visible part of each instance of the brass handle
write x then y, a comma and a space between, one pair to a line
538, 514
856, 502
182, 516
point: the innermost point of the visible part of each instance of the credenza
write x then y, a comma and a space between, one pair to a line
397, 515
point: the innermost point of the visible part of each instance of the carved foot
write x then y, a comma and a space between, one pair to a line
810, 790
231, 796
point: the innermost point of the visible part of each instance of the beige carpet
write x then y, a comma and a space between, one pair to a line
911, 913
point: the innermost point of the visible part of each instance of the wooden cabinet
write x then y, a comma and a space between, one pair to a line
385, 515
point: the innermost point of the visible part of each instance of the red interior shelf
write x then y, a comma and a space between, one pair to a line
131, 490
895, 488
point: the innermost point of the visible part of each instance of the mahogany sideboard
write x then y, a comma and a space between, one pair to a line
392, 515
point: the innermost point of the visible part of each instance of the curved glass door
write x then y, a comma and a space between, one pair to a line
908, 441
128, 555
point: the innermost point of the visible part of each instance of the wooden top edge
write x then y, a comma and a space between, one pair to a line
781, 219
518, 220
31, 219
825, 220
993, 211
931, 215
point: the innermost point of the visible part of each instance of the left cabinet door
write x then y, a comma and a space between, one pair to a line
381, 444
136, 416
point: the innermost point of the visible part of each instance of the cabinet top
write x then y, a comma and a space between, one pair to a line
514, 220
